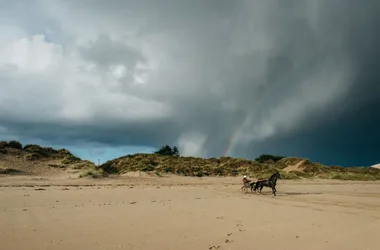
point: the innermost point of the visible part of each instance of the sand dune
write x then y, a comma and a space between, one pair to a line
295, 167
186, 213
376, 166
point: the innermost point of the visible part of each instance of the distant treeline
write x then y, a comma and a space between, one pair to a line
265, 157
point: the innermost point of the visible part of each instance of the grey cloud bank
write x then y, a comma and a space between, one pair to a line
217, 78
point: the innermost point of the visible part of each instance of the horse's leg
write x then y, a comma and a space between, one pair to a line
256, 186
252, 186
262, 184
274, 190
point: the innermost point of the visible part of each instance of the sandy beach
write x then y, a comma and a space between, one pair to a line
186, 213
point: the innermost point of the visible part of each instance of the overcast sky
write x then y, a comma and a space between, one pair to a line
216, 77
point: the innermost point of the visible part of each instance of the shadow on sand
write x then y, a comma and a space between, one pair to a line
288, 193
296, 193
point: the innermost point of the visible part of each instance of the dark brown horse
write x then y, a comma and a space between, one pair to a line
271, 183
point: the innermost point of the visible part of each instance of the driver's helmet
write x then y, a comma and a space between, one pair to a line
245, 177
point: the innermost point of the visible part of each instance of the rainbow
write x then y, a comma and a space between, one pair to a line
232, 141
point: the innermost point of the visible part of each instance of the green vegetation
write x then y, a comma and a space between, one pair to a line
166, 160
227, 166
158, 174
3, 144
265, 158
71, 159
93, 174
37, 150
186, 166
32, 157
167, 150
15, 144
61, 158
10, 144
57, 165
109, 167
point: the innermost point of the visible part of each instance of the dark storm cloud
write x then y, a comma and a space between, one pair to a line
346, 132
216, 77
107, 134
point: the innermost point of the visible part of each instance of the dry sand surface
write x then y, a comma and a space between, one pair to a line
186, 213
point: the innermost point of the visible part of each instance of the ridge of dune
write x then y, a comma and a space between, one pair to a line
376, 166
295, 167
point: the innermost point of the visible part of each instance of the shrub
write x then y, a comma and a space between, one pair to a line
57, 166
51, 150
91, 173
199, 174
32, 156
70, 159
182, 172
158, 174
145, 161
168, 170
147, 168
219, 171
63, 152
31, 148
168, 151
15, 145
108, 167
3, 144
265, 157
